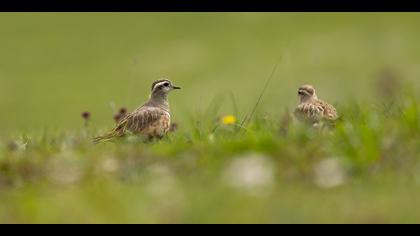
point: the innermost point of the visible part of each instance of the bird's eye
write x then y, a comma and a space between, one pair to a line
166, 84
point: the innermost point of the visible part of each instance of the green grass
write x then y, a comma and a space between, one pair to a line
63, 177
56, 65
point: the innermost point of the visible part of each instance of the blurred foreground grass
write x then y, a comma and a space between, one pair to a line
364, 171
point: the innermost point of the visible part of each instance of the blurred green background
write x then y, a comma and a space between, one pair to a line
55, 65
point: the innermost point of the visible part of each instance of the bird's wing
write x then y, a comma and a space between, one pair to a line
330, 113
309, 111
140, 119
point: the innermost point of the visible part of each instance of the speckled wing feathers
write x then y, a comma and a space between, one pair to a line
145, 120
315, 111
330, 113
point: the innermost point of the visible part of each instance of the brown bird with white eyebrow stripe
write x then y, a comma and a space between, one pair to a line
313, 110
151, 120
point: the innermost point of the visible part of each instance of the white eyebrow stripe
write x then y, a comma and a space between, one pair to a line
160, 83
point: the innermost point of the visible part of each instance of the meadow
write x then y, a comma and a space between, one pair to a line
54, 66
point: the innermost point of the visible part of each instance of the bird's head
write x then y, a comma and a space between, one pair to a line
162, 87
306, 93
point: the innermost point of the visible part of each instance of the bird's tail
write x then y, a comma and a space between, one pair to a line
106, 137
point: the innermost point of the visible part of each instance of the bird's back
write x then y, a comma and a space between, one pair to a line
147, 120
316, 110
330, 113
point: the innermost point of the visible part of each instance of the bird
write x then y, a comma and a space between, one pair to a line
151, 120
313, 110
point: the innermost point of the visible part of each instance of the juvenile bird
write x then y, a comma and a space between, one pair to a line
151, 120
313, 110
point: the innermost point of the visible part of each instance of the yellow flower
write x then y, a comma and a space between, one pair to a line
229, 120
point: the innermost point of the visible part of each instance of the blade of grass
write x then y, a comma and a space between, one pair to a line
245, 122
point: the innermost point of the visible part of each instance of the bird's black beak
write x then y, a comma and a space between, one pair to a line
300, 92
176, 87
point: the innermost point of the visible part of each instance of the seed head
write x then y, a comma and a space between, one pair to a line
12, 146
117, 117
86, 115
123, 110
173, 127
